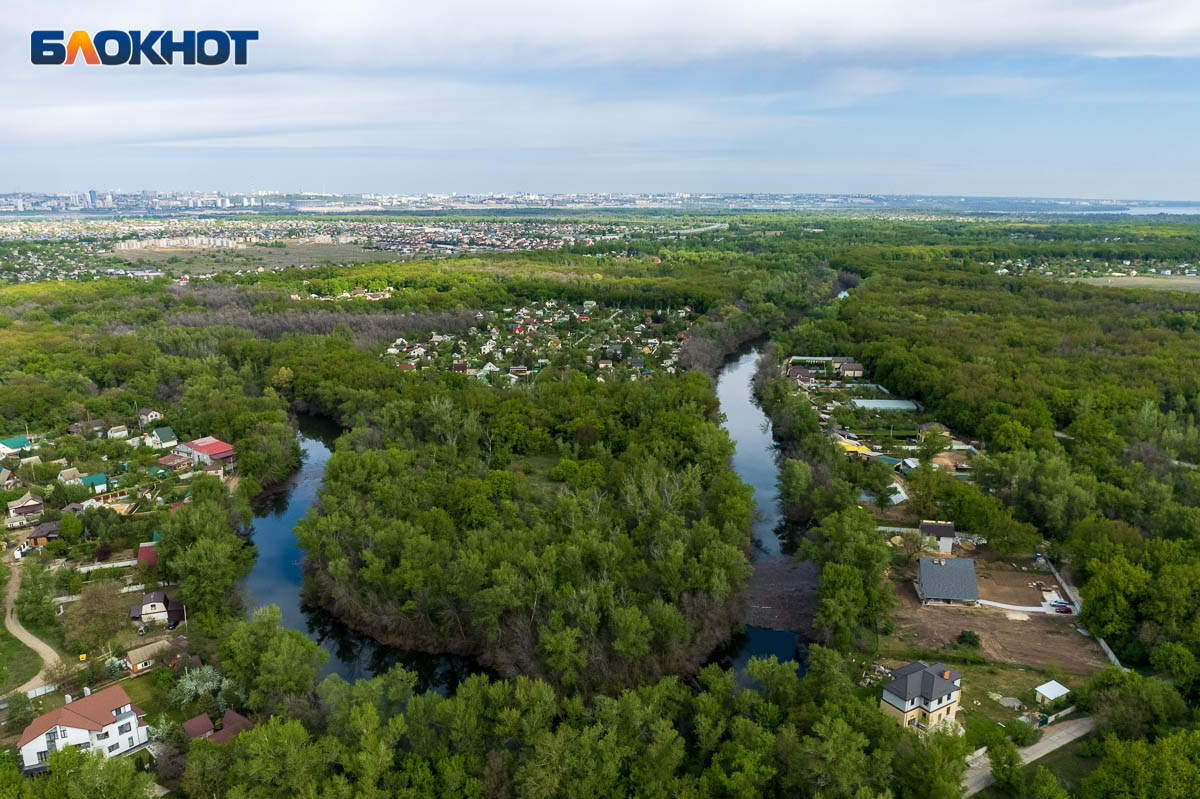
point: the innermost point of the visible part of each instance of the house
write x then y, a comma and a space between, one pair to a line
26, 505
95, 426
232, 723
1047, 692
8, 481
14, 445
207, 450
148, 415
70, 477
97, 482
198, 727
43, 534
162, 438
802, 376
949, 581
143, 658
850, 370
942, 531
118, 432
922, 695
174, 462
155, 606
932, 428
105, 721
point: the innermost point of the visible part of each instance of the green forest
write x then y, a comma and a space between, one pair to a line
582, 535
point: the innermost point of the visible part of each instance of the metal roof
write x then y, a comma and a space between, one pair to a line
948, 578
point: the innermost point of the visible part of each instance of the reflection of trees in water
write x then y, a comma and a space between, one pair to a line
360, 656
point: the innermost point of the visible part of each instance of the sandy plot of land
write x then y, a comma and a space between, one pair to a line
1014, 587
1041, 640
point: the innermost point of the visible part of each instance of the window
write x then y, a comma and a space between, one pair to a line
101, 736
124, 728
130, 743
115, 747
52, 736
43, 756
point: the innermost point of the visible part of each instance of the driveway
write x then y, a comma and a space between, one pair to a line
45, 651
979, 771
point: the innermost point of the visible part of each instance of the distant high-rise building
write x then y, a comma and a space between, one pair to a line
20, 204
92, 198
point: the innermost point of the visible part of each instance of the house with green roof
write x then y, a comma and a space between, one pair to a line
97, 482
162, 438
14, 445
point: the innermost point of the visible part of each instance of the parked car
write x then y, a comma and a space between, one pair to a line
1061, 603
1063, 609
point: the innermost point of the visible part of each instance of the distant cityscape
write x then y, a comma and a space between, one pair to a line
101, 202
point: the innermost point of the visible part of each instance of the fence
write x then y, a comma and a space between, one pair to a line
1074, 597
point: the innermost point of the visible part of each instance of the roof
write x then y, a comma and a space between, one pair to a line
24, 500
937, 529
154, 596
86, 713
924, 680
948, 578
16, 442
1052, 690
164, 434
231, 724
212, 447
198, 727
146, 652
884, 404
97, 479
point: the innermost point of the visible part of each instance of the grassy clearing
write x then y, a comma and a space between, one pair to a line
1066, 763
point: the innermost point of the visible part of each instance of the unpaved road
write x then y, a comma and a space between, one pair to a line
45, 651
979, 773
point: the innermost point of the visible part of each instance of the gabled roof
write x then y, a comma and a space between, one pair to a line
198, 727
164, 434
212, 447
948, 578
88, 713
920, 679
93, 480
26, 499
16, 442
231, 724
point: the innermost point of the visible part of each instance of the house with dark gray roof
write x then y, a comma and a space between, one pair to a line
943, 532
922, 694
949, 581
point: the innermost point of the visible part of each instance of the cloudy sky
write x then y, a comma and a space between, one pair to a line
1093, 98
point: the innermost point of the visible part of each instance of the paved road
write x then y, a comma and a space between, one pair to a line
979, 773
47, 653
1022, 608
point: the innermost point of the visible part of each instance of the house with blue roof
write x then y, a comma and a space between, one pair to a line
97, 482
14, 445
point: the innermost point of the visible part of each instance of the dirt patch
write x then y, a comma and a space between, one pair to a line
1013, 587
781, 594
1041, 640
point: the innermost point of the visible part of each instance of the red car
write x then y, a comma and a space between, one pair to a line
1061, 609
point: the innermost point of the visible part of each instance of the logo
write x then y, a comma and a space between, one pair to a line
114, 48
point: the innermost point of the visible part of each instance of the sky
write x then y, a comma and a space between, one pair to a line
1048, 98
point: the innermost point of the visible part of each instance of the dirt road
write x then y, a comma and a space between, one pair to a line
46, 652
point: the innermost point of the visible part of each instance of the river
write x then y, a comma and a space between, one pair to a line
778, 589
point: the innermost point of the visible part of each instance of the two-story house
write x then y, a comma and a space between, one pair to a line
207, 450
922, 695
106, 721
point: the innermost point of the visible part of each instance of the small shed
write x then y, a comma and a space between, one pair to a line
1049, 691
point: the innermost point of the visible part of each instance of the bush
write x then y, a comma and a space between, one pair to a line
1023, 734
969, 638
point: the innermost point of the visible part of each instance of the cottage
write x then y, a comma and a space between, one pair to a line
922, 695
849, 370
105, 721
92, 426
232, 723
143, 658
156, 607
162, 438
44, 533
942, 531
70, 477
8, 481
198, 727
206, 450
118, 432
25, 506
14, 445
932, 429
148, 415
97, 482
949, 581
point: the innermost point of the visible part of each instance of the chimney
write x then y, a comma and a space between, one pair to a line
67, 699
945, 676
87, 691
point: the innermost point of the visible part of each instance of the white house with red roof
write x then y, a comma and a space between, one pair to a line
206, 450
105, 721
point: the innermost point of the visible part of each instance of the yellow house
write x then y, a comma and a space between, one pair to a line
922, 695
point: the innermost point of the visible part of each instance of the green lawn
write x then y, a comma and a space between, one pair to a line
1065, 763
21, 662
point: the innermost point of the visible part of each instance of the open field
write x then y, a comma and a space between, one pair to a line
1040, 641
1013, 587
208, 260
1162, 283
